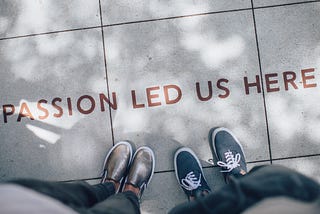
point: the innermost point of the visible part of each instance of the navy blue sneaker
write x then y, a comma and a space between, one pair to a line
189, 173
228, 151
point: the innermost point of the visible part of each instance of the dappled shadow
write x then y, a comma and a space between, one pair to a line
137, 10
294, 117
182, 52
18, 18
198, 49
65, 144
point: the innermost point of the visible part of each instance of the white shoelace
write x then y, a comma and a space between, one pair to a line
190, 182
231, 161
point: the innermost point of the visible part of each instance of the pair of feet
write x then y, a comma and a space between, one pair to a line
229, 153
128, 171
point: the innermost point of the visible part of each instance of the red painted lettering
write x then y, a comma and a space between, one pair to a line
309, 77
199, 95
254, 84
225, 89
150, 96
24, 112
43, 109
287, 79
166, 89
60, 110
92, 104
6, 113
134, 100
103, 99
269, 82
69, 106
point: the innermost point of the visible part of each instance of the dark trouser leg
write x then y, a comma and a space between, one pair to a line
76, 195
260, 183
122, 203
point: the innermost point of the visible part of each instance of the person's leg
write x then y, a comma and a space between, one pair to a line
261, 183
264, 181
77, 194
121, 203
244, 190
82, 195
139, 176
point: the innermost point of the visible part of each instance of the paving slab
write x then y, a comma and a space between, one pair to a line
163, 62
290, 64
120, 11
263, 3
154, 68
23, 17
51, 123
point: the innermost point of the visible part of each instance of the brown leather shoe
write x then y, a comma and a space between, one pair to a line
141, 169
117, 162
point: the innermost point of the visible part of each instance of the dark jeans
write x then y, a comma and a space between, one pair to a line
260, 183
85, 198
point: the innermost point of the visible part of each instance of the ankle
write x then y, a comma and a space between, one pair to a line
115, 184
242, 172
201, 194
129, 187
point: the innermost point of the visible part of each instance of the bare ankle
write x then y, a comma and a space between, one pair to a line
129, 187
202, 194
